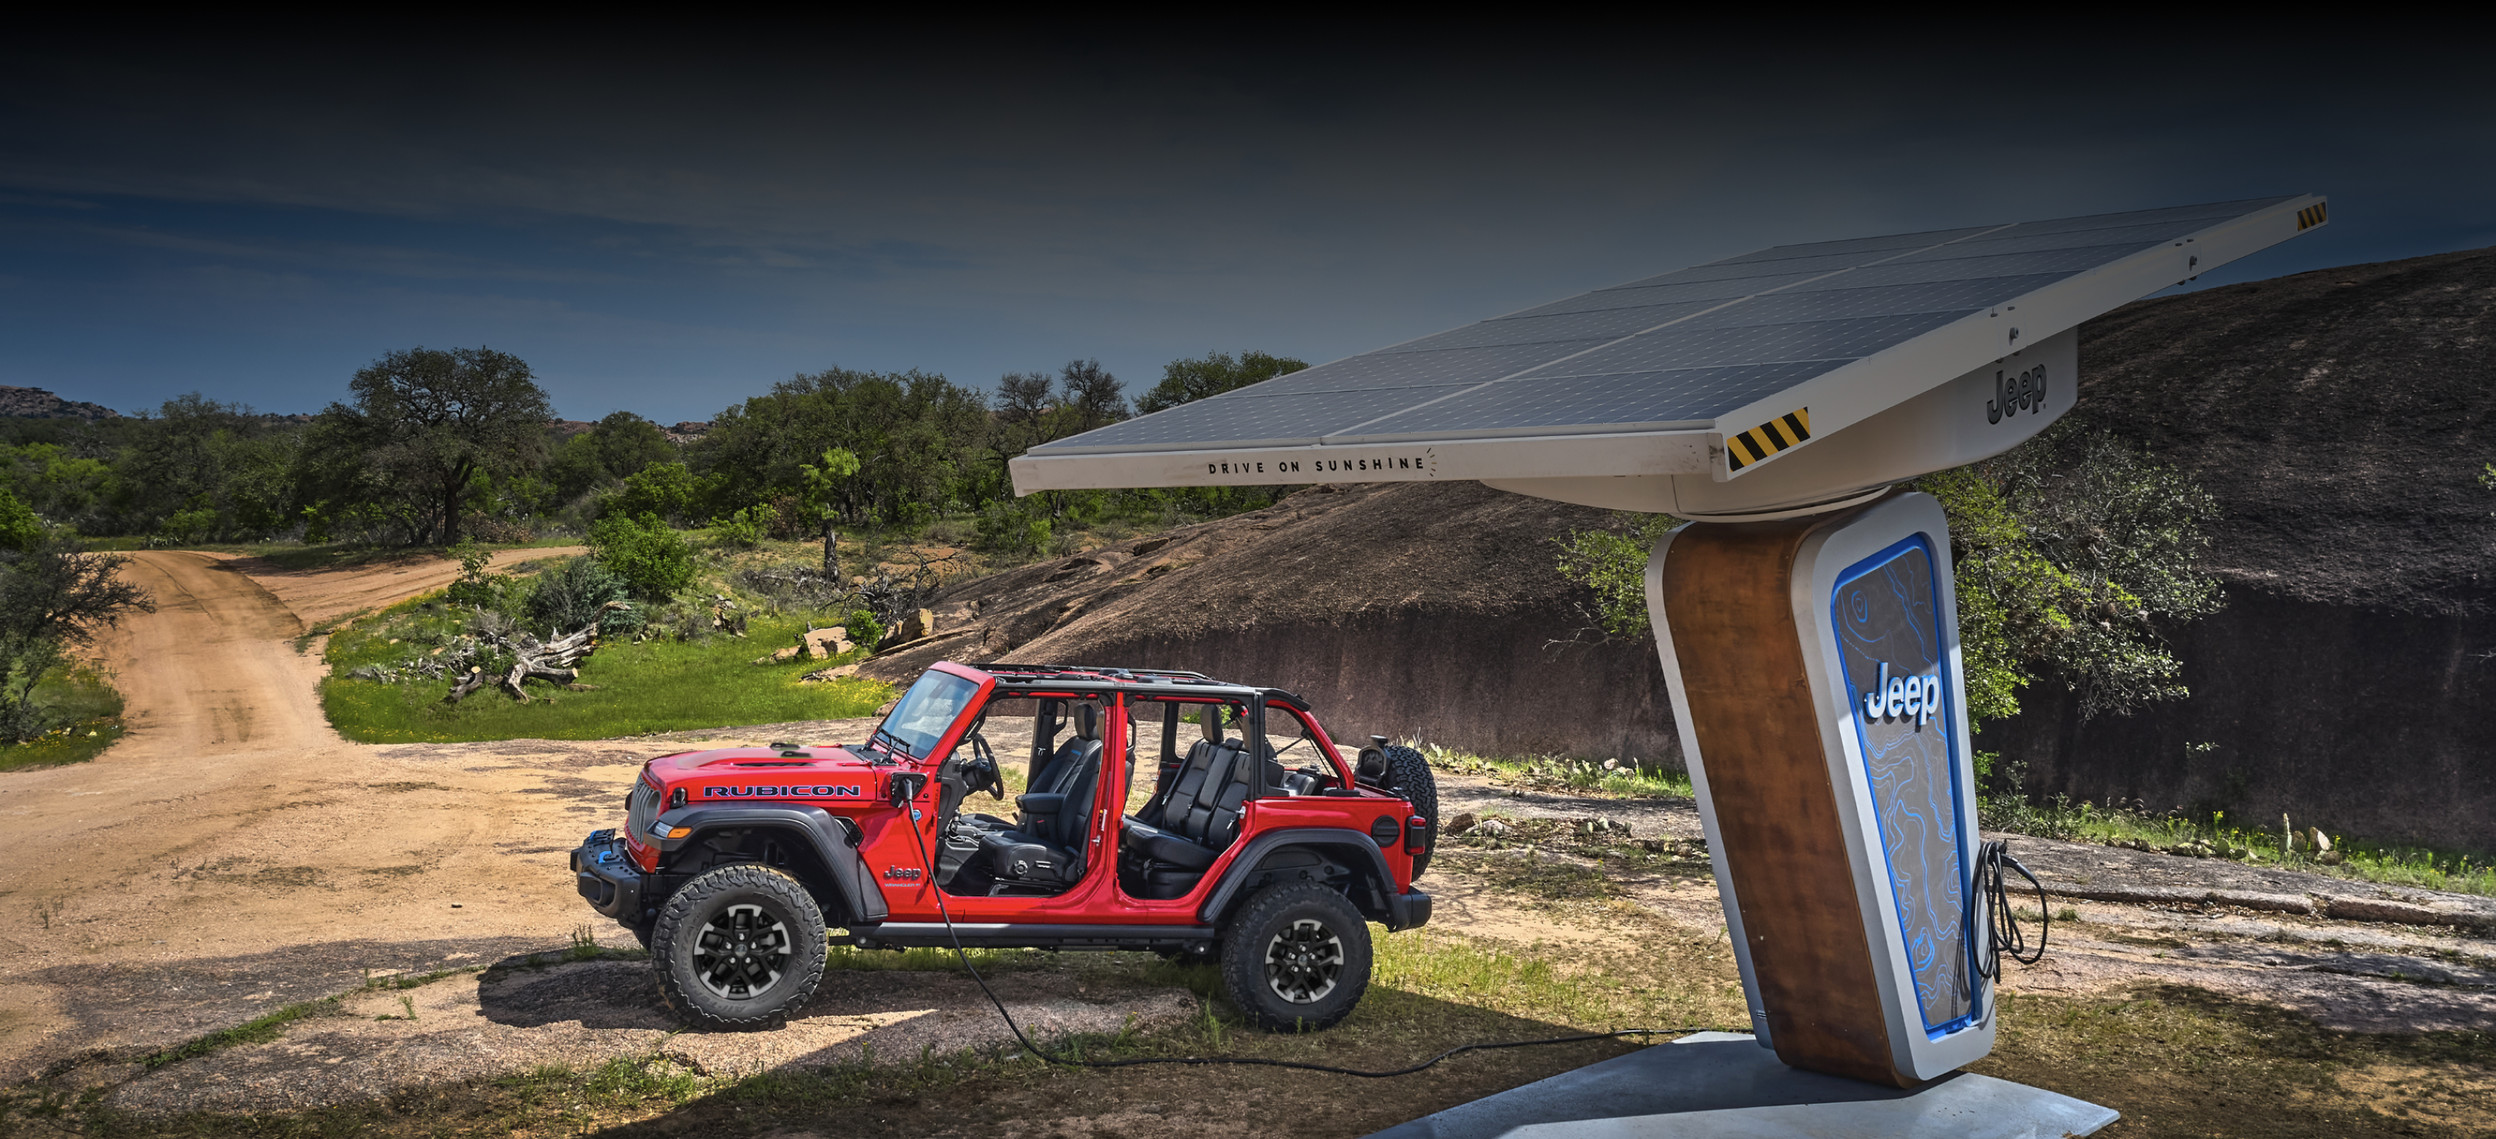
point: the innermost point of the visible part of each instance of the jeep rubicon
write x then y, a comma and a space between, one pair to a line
1264, 850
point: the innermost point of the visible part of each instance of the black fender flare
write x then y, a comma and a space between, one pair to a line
1362, 848
832, 838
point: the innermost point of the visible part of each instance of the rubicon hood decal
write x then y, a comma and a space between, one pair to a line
787, 791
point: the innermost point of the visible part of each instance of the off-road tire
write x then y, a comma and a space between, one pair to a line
754, 906
1296, 957
1409, 775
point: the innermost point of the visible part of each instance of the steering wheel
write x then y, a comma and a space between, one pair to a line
980, 772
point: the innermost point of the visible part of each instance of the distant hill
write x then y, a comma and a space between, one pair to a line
36, 403
2341, 418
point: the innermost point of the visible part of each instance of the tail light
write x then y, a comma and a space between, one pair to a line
1416, 835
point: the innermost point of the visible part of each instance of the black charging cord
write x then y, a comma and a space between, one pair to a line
1245, 1061
2003, 935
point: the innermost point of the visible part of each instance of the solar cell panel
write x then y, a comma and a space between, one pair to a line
1651, 378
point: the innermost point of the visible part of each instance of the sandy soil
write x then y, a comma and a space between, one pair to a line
2377, 977
233, 854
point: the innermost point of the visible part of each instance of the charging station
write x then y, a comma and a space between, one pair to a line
1814, 667
1805, 614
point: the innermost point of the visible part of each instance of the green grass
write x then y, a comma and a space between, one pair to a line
2363, 859
653, 686
1563, 774
82, 700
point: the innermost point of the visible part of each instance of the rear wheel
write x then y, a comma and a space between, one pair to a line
1296, 958
738, 947
1409, 775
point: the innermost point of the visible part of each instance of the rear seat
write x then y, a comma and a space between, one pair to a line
1197, 816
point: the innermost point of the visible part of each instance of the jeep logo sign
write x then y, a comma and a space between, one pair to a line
786, 791
2012, 396
1916, 698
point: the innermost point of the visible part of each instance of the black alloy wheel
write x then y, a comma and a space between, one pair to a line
741, 951
738, 947
1296, 957
1303, 961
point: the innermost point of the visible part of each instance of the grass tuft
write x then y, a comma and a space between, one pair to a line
1560, 773
2217, 836
80, 697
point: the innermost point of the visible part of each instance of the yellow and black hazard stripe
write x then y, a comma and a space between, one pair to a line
2311, 216
1768, 438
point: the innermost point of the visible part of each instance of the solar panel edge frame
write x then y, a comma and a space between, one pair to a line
1853, 392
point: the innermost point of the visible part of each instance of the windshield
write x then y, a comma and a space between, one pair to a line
923, 714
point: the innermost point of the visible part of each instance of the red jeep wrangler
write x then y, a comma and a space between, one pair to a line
1256, 843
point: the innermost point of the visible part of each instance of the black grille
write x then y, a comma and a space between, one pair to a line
640, 809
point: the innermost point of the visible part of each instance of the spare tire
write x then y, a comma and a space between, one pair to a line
1409, 775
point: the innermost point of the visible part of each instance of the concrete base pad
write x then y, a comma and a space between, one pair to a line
1725, 1086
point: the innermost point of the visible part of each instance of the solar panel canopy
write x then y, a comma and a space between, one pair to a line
1729, 387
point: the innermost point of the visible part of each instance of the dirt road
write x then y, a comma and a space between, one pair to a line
232, 853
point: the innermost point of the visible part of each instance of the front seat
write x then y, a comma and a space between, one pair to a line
1045, 846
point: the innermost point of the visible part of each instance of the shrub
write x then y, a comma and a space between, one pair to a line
663, 489
745, 528
576, 594
653, 561
188, 527
864, 629
1007, 529
473, 587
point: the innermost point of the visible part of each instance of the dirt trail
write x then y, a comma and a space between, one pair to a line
232, 853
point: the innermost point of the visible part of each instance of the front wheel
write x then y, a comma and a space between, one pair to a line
1296, 958
738, 947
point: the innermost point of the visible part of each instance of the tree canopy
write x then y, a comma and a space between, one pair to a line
433, 420
2071, 555
1184, 381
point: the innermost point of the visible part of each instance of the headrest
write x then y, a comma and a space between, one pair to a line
1209, 720
1087, 721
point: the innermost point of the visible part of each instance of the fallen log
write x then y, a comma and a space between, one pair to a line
554, 662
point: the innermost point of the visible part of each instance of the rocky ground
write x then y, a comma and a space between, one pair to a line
2354, 956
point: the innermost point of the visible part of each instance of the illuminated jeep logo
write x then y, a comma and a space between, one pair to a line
1903, 697
787, 791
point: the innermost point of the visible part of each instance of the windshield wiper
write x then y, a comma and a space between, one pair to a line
893, 744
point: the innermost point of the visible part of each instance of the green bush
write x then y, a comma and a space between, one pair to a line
745, 528
662, 489
576, 594
1008, 529
654, 562
864, 629
188, 527
474, 588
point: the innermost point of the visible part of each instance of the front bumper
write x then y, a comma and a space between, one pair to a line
606, 876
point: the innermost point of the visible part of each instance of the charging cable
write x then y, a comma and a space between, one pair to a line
2003, 937
1245, 1061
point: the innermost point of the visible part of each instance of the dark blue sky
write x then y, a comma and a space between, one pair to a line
669, 227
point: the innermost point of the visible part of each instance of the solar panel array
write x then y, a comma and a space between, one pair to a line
1665, 353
